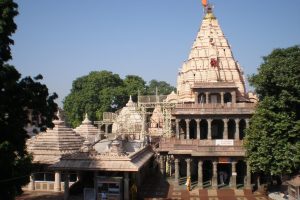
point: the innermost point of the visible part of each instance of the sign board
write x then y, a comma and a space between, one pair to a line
224, 142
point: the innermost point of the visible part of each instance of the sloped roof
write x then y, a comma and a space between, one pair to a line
87, 129
105, 162
48, 147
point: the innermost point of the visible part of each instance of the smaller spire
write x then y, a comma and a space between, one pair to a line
86, 119
130, 102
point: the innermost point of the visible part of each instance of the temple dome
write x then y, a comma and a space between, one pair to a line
87, 129
129, 120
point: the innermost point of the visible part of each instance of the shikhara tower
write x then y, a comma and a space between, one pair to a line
210, 62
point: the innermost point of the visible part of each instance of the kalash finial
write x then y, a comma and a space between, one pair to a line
208, 10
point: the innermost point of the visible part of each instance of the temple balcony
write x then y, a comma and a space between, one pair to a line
196, 147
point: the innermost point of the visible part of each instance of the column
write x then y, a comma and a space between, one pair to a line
237, 129
57, 181
207, 97
177, 128
209, 129
187, 121
225, 134
176, 171
247, 123
196, 98
198, 128
126, 186
188, 167
66, 186
162, 165
215, 176
106, 128
31, 185
200, 175
233, 96
234, 174
222, 98
248, 177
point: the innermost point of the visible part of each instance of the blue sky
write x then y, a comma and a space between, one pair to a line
63, 40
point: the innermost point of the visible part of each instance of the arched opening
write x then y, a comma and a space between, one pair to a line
207, 173
182, 129
201, 98
217, 128
214, 98
182, 168
109, 128
193, 129
227, 98
224, 173
241, 168
194, 170
203, 129
231, 129
242, 127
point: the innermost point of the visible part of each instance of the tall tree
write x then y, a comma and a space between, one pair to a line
18, 97
94, 93
273, 138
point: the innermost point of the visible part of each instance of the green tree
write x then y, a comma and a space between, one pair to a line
94, 93
273, 138
104, 91
17, 97
162, 87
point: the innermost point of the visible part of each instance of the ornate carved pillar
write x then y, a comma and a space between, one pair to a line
176, 171
207, 97
222, 98
32, 182
215, 175
209, 129
200, 175
66, 186
177, 128
57, 180
198, 128
187, 121
188, 167
248, 177
126, 185
225, 134
237, 129
234, 174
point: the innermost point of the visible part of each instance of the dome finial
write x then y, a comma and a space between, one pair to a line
86, 119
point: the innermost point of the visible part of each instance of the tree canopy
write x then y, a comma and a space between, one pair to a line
18, 97
104, 91
273, 138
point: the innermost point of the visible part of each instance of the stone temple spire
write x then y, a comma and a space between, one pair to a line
210, 60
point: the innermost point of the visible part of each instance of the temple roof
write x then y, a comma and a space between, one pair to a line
210, 60
87, 129
106, 162
48, 147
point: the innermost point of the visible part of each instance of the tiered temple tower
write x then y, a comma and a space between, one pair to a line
211, 114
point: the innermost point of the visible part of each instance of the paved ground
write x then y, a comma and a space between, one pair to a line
157, 188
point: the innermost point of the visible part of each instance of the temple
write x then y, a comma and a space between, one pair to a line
196, 132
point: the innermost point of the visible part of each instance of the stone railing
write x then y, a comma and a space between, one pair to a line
202, 147
241, 108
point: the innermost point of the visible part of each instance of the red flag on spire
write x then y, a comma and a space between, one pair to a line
204, 3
